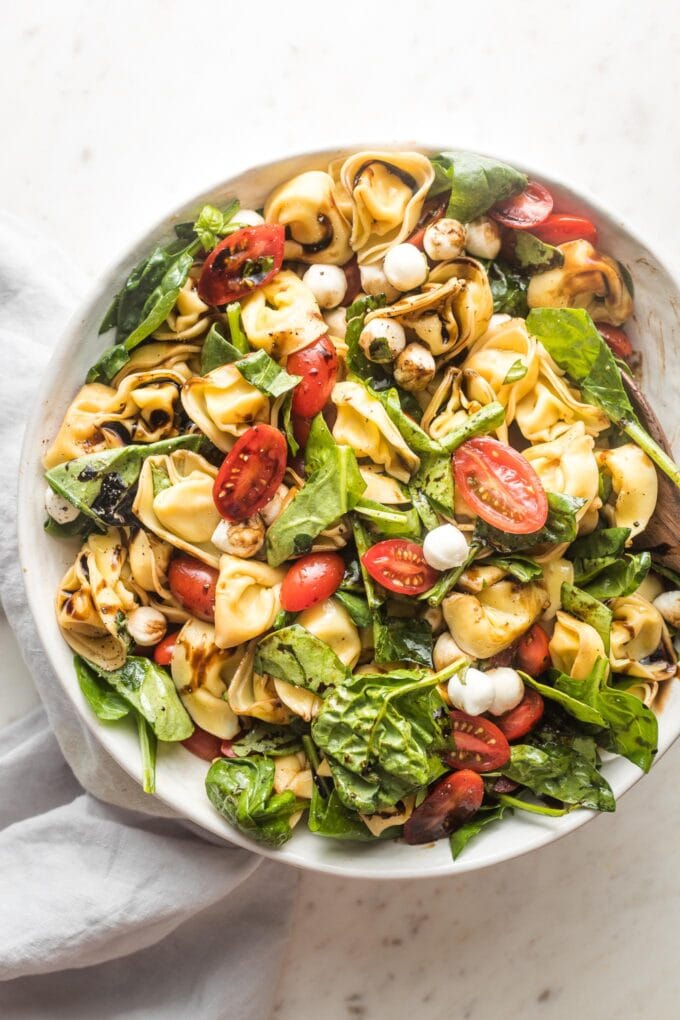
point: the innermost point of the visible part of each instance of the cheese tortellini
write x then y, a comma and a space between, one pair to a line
575, 646
224, 404
330, 622
283, 316
635, 486
485, 624
188, 319
202, 672
550, 407
306, 206
587, 280
246, 601
363, 424
568, 465
505, 359
640, 644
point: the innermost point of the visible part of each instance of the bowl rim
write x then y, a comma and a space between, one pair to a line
103, 284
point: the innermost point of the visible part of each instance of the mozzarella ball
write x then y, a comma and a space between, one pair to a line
405, 267
415, 368
508, 689
446, 651
247, 218
240, 538
445, 547
336, 320
273, 508
473, 692
328, 284
59, 509
146, 626
483, 238
444, 239
374, 282
668, 604
380, 329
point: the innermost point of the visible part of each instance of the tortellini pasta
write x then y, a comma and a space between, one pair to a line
201, 672
568, 465
550, 407
253, 695
486, 623
381, 488
450, 405
585, 280
156, 354
640, 644
400, 813
635, 486
246, 601
556, 572
330, 622
363, 424
149, 558
174, 501
282, 317
575, 646
292, 772
505, 358
188, 319
316, 229
385, 192
224, 404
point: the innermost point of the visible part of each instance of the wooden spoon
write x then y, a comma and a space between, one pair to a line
662, 534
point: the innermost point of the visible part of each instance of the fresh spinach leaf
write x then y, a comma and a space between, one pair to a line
106, 704
298, 657
508, 289
388, 521
151, 291
620, 578
584, 607
217, 350
328, 816
80, 528
236, 332
487, 419
476, 182
287, 411
108, 365
441, 588
417, 439
261, 371
431, 488
357, 362
557, 770
357, 608
265, 738
533, 254
561, 526
149, 689
423, 507
558, 693
375, 593
517, 371
147, 746
633, 728
594, 552
402, 639
522, 568
242, 790
459, 839
284, 618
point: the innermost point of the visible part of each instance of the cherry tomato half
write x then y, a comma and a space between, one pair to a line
162, 653
449, 804
193, 584
533, 653
618, 342
561, 227
241, 263
523, 717
433, 210
251, 472
526, 210
311, 579
203, 744
318, 365
500, 485
400, 566
477, 744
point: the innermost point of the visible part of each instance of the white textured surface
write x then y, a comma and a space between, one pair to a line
113, 113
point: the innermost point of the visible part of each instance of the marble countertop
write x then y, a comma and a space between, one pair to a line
112, 114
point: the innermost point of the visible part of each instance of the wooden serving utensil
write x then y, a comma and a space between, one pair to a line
662, 534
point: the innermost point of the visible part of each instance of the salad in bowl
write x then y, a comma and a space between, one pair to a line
360, 506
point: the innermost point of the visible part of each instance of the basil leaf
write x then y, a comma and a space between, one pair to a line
532, 253
217, 350
487, 419
104, 702
556, 770
242, 790
402, 639
212, 224
100, 484
261, 371
150, 690
264, 738
593, 612
522, 568
357, 608
561, 526
328, 816
388, 521
459, 839
476, 182
298, 657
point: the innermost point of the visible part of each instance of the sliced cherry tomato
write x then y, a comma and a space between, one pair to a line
318, 365
353, 277
449, 804
526, 210
251, 472
477, 744
561, 227
241, 263
301, 429
500, 485
523, 717
533, 654
399, 566
203, 744
311, 579
162, 653
616, 338
193, 584
226, 750
433, 210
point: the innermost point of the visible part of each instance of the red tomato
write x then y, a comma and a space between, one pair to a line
533, 655
449, 804
318, 365
500, 485
162, 653
251, 472
526, 210
193, 584
241, 263
616, 338
226, 750
301, 428
400, 566
523, 717
433, 210
353, 277
477, 744
203, 744
561, 227
311, 579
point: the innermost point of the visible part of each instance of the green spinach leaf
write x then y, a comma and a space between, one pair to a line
522, 568
375, 593
261, 371
106, 704
476, 182
217, 350
389, 522
431, 488
561, 526
265, 738
298, 657
533, 254
242, 790
508, 289
108, 365
147, 746
487, 419
593, 612
357, 607
328, 816
402, 639
459, 839
417, 439
357, 362
149, 689
556, 770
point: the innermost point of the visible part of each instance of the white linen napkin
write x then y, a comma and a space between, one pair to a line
159, 918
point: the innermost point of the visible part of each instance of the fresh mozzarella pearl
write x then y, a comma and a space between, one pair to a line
273, 508
382, 329
336, 320
248, 218
483, 238
374, 282
508, 689
328, 284
146, 626
59, 509
415, 368
445, 547
444, 239
240, 538
446, 651
473, 692
668, 604
405, 267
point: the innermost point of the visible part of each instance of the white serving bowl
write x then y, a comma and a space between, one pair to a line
655, 331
